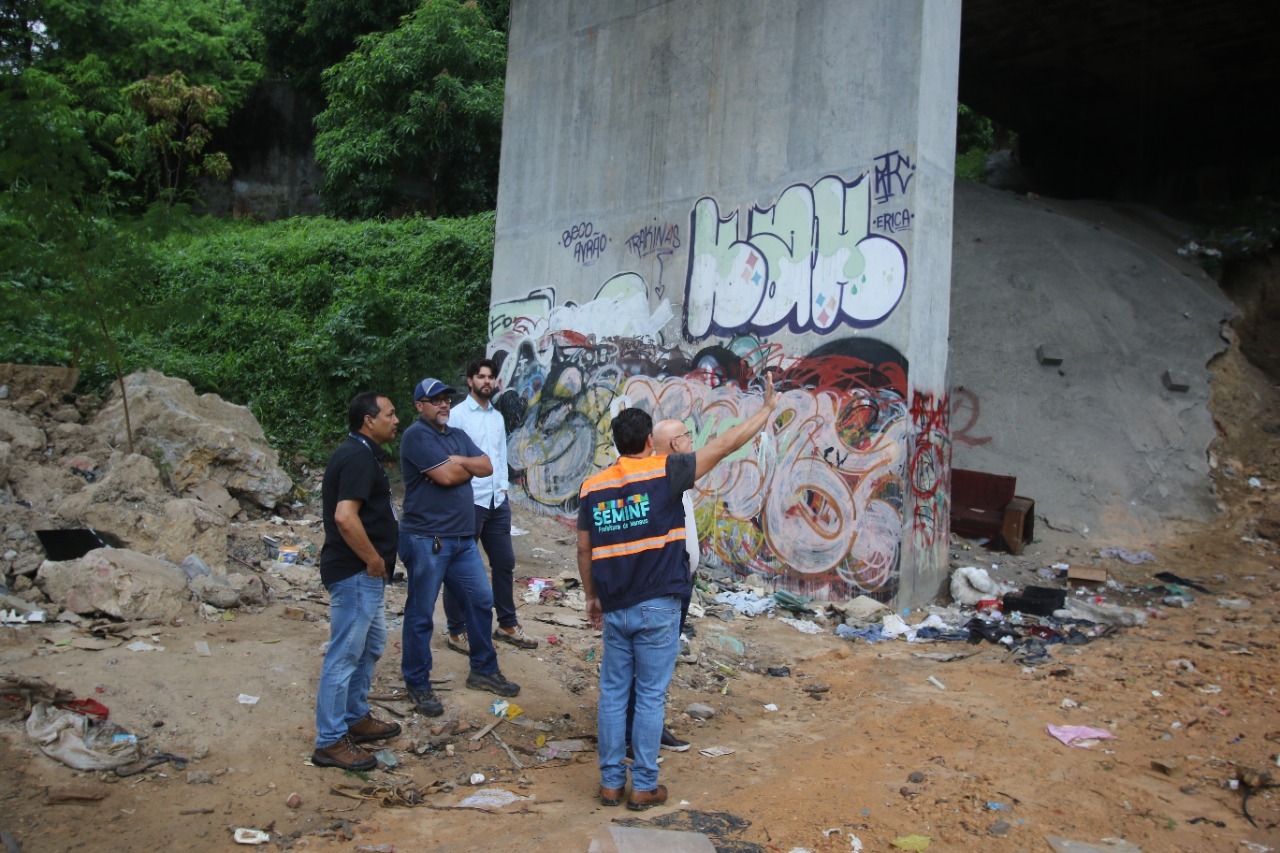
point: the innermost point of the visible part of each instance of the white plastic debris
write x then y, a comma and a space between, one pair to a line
244, 835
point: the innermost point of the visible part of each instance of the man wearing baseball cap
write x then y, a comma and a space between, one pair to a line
438, 546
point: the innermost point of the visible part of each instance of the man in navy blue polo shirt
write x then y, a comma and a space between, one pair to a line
438, 546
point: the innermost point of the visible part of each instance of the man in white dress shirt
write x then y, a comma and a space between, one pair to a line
484, 425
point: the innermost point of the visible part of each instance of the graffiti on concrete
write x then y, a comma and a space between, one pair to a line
814, 504
807, 264
929, 472
853, 467
587, 243
898, 220
966, 409
657, 239
893, 172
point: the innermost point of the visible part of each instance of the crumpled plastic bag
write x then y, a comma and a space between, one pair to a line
1102, 613
78, 741
970, 584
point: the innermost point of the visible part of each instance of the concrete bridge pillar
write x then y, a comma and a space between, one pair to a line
696, 193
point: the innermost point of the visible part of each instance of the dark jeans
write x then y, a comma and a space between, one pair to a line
493, 531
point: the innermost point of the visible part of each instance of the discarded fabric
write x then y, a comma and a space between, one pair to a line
1078, 736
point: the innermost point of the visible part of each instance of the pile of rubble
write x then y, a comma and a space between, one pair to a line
165, 498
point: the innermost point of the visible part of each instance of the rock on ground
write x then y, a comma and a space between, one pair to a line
118, 582
198, 438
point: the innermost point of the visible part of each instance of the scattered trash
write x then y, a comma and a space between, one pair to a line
88, 707
1106, 614
294, 800
1235, 603
1078, 736
779, 671
970, 584
1170, 577
386, 758
716, 751
771, 707
642, 838
518, 531
804, 626
747, 603
139, 646
13, 617
912, 842
492, 798
1110, 845
729, 644
1132, 557
936, 683
202, 649
246, 699
477, 779
79, 741
251, 836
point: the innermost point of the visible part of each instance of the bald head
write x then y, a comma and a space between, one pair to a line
671, 436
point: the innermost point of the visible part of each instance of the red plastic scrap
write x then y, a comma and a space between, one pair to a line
87, 707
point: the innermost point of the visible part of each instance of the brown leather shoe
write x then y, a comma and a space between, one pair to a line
371, 728
610, 796
344, 754
641, 800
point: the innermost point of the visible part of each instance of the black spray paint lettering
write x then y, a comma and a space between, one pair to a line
587, 245
898, 221
660, 239
890, 179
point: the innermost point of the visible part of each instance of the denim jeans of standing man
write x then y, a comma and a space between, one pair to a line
640, 647
493, 530
357, 636
456, 566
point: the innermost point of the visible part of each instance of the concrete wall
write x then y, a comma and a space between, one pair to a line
694, 193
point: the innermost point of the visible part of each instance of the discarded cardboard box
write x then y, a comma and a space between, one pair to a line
1087, 574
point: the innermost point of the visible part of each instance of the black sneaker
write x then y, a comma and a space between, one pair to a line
493, 682
426, 703
671, 742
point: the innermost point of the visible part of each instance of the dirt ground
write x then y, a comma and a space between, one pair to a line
1191, 698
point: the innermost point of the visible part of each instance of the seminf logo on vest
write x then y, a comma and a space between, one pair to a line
621, 513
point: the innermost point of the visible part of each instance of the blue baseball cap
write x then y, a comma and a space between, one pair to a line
430, 387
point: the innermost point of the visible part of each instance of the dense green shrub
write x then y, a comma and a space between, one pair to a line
297, 316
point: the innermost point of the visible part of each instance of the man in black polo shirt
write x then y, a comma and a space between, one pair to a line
360, 537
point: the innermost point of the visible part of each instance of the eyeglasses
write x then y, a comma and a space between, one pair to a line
436, 401
686, 434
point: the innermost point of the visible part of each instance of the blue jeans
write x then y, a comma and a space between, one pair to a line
357, 636
640, 647
631, 701
459, 569
493, 530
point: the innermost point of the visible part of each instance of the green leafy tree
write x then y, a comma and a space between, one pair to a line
414, 116
304, 37
67, 263
97, 49
179, 125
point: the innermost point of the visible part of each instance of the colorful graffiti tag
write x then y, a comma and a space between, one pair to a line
929, 472
807, 264
815, 503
